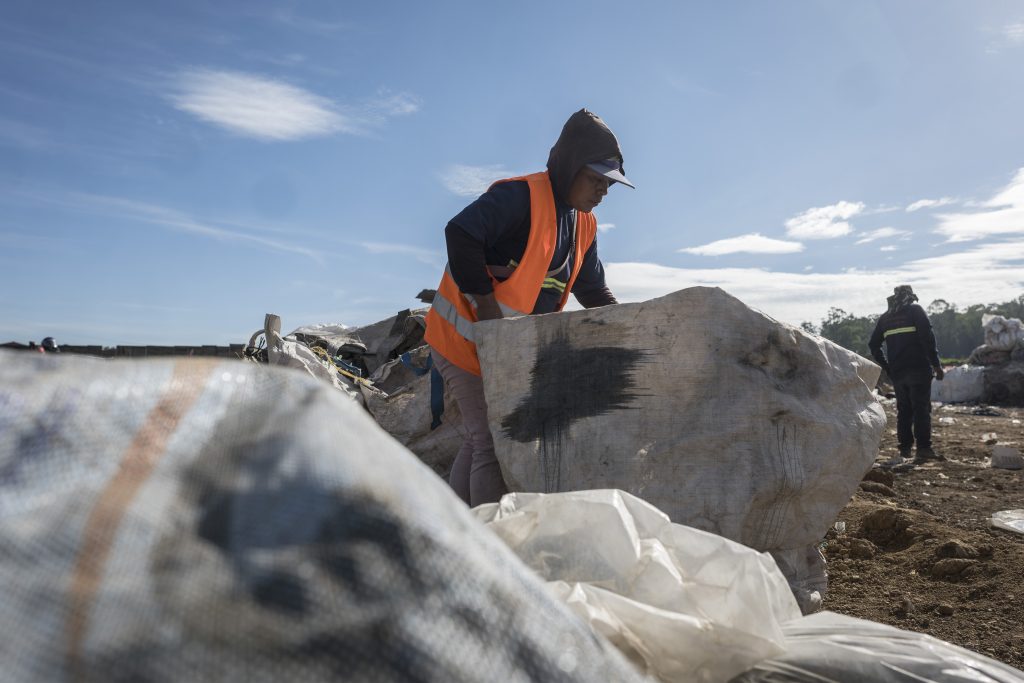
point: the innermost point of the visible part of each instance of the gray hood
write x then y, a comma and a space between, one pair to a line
585, 138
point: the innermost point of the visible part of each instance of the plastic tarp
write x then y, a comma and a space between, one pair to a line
1011, 520
832, 648
961, 384
200, 520
723, 418
682, 604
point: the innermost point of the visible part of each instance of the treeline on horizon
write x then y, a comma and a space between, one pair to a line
957, 332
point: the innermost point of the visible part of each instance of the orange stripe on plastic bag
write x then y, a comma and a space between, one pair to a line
137, 464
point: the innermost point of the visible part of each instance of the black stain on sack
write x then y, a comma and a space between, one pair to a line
568, 383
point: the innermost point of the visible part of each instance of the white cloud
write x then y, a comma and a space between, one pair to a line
887, 248
431, 257
929, 203
605, 227
880, 234
754, 243
268, 109
996, 272
472, 181
1001, 215
256, 106
823, 222
1014, 32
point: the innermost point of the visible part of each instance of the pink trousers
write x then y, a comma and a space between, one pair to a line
475, 475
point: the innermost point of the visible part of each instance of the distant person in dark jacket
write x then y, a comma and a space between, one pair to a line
911, 359
520, 249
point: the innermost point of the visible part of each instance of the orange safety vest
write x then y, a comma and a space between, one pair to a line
452, 313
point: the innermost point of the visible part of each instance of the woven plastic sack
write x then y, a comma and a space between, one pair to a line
961, 384
683, 604
721, 417
224, 521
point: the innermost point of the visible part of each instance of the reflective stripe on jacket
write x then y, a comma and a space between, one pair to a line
453, 314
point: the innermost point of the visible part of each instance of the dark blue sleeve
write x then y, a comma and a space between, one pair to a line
590, 288
502, 208
925, 335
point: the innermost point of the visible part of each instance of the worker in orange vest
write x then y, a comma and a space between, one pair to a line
521, 248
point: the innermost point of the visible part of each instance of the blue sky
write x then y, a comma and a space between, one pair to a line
169, 172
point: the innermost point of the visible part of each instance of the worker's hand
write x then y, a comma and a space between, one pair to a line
487, 307
939, 374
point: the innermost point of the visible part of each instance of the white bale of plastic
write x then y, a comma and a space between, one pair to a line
827, 647
961, 384
681, 604
1001, 333
200, 520
721, 417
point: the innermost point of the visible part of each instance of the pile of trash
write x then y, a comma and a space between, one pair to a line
994, 372
385, 367
199, 519
1004, 341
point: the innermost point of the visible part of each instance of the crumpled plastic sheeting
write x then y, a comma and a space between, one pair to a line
832, 648
683, 604
1011, 520
199, 520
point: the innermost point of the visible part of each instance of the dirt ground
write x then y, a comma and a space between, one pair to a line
918, 551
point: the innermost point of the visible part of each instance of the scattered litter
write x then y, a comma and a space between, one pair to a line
840, 527
986, 410
989, 438
1007, 458
947, 420
1011, 520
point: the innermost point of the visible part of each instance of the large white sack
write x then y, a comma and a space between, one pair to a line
721, 417
833, 648
1001, 333
683, 604
198, 520
960, 384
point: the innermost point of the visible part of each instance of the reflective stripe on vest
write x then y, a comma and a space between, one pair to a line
899, 330
446, 309
452, 315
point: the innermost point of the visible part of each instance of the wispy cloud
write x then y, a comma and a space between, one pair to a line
824, 222
431, 257
268, 109
605, 227
995, 268
888, 247
177, 221
1014, 32
1001, 215
24, 135
288, 17
472, 181
880, 234
929, 203
754, 243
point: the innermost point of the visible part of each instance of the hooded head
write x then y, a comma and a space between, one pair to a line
585, 139
902, 296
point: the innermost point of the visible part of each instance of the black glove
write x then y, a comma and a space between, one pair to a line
939, 374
